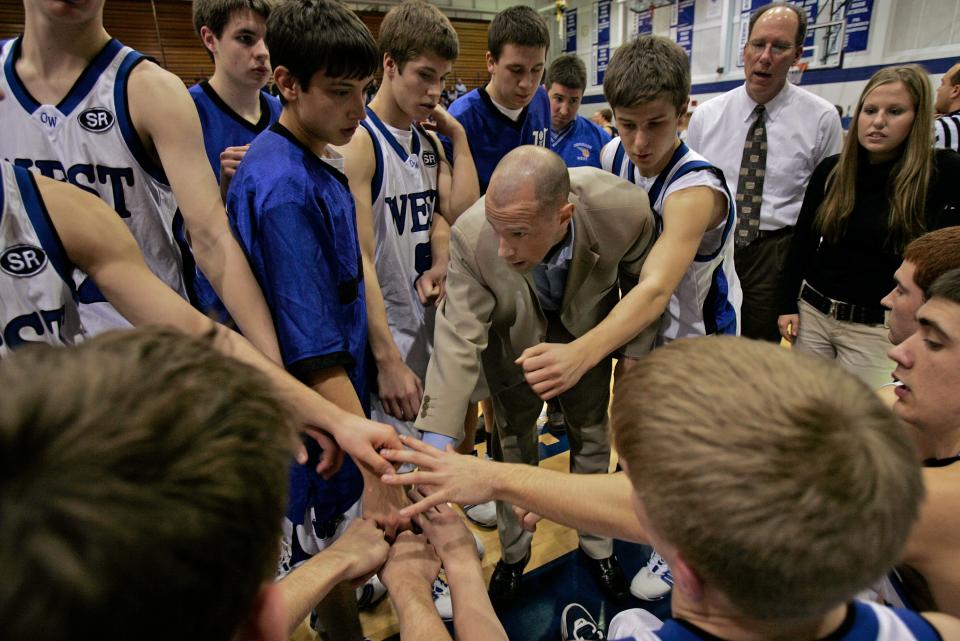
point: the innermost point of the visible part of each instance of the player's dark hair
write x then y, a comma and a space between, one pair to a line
518, 25
142, 471
307, 36
569, 71
416, 27
801, 20
216, 14
645, 69
946, 286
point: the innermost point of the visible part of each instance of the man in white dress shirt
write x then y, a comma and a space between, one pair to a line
801, 130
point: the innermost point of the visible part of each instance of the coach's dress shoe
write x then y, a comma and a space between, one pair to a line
609, 574
505, 581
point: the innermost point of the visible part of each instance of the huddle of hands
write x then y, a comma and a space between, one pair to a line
412, 562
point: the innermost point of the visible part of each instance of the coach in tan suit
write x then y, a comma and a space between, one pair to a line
541, 258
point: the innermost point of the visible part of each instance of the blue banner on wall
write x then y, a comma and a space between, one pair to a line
685, 11
570, 31
857, 33
603, 22
602, 58
643, 23
601, 47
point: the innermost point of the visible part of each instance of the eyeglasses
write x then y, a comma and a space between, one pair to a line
776, 48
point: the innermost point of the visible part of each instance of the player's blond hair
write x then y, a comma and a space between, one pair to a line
781, 479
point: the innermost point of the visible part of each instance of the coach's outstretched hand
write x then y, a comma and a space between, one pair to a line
444, 476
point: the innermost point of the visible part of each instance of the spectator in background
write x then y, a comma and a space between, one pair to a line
459, 89
947, 126
861, 209
604, 119
767, 137
574, 138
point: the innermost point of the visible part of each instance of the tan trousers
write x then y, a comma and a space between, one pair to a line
861, 349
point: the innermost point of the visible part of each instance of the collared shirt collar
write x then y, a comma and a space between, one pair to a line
772, 108
562, 252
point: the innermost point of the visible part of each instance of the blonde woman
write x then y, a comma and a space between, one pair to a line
887, 187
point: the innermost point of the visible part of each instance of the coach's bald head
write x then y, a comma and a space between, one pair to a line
527, 204
530, 172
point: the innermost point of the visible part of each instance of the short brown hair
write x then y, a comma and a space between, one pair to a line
801, 20
143, 472
568, 71
518, 25
933, 254
781, 479
415, 27
216, 14
645, 69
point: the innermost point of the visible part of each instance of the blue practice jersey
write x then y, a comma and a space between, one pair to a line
223, 127
493, 135
580, 143
294, 216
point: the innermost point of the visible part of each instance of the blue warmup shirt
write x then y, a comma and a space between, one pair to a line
492, 134
580, 143
223, 127
294, 217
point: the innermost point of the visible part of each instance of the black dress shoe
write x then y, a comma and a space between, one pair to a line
505, 581
609, 575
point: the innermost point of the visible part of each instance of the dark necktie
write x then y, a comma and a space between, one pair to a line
750, 184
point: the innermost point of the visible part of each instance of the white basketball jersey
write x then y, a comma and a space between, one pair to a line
88, 140
36, 278
404, 192
707, 300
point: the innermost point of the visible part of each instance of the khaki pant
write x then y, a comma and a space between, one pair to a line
515, 440
861, 349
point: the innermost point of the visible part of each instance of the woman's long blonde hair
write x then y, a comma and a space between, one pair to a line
909, 178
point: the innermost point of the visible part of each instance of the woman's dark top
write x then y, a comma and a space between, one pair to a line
859, 268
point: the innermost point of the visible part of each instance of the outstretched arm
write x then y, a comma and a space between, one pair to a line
168, 125
473, 615
408, 575
597, 503
358, 553
99, 243
552, 368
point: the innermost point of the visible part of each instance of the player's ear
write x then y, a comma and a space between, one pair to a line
389, 64
286, 83
209, 39
491, 61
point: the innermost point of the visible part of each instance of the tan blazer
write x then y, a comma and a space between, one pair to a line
491, 312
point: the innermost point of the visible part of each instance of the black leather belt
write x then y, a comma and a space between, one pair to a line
842, 311
767, 234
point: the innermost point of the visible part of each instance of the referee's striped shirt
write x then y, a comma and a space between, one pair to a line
947, 129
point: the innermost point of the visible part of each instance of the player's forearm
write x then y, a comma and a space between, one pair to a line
440, 243
218, 255
595, 503
642, 305
309, 583
475, 619
464, 187
308, 406
417, 615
